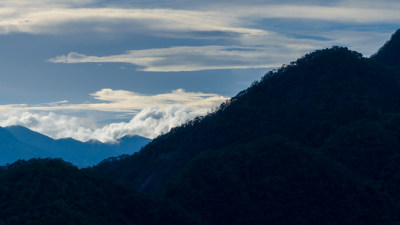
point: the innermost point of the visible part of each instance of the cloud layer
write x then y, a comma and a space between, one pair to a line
152, 114
249, 42
149, 122
185, 58
109, 100
50, 18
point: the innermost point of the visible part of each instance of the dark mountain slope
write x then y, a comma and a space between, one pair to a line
389, 54
275, 181
54, 192
306, 101
315, 142
82, 154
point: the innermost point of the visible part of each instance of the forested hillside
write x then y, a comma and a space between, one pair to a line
51, 191
315, 142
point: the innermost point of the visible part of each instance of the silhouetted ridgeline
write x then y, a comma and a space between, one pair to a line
19, 142
389, 54
51, 191
314, 142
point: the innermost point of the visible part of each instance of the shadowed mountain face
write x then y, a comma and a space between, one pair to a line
315, 142
22, 143
49, 192
389, 54
306, 102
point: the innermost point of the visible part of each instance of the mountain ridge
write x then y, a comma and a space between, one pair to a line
389, 53
314, 142
51, 191
82, 154
312, 101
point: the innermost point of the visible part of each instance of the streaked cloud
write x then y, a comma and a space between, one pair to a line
50, 20
129, 102
249, 42
43, 17
343, 14
188, 58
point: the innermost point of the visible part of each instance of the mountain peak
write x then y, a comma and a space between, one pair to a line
327, 53
330, 59
389, 53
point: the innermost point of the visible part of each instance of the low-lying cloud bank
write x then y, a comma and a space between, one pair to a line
152, 114
150, 122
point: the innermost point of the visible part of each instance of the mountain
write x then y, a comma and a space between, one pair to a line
314, 142
307, 101
389, 54
30, 144
12, 149
49, 191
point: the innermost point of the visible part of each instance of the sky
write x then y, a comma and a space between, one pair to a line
101, 69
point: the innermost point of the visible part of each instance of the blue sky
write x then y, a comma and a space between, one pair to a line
104, 69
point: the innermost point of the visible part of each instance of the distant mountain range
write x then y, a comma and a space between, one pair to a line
18, 142
314, 142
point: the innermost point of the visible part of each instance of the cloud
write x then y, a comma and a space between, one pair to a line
249, 43
54, 20
51, 124
342, 14
123, 101
149, 122
240, 26
47, 17
152, 114
194, 58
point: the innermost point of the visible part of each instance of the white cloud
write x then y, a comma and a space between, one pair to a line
37, 5
149, 122
151, 114
51, 20
52, 17
189, 58
128, 102
239, 24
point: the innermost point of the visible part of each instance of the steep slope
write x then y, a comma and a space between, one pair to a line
307, 101
82, 154
54, 192
315, 142
389, 54
276, 181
